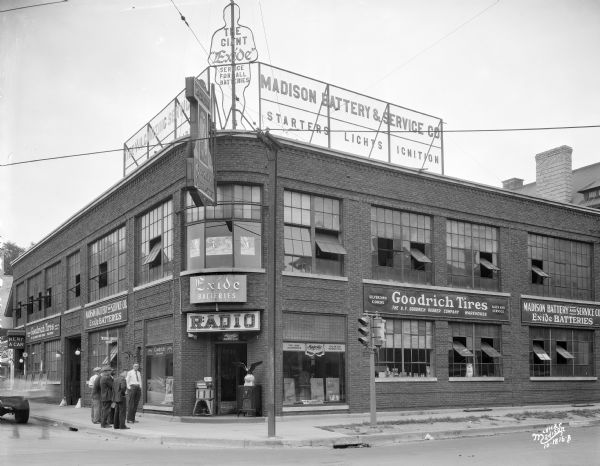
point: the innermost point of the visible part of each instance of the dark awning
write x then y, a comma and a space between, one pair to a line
419, 256
539, 271
153, 253
329, 245
488, 265
564, 353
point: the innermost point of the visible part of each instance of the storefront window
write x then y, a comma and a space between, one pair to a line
51, 361
561, 352
560, 268
313, 373
104, 348
474, 350
34, 358
408, 349
159, 375
472, 255
228, 234
400, 246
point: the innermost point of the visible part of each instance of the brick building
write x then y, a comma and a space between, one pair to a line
490, 297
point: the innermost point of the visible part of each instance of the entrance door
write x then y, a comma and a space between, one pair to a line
73, 370
229, 375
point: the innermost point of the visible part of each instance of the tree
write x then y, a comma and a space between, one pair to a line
11, 252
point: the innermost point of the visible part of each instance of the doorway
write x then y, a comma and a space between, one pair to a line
229, 375
72, 370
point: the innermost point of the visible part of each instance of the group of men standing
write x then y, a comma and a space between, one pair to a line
115, 399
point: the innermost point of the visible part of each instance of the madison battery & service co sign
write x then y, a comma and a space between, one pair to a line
434, 303
559, 313
106, 314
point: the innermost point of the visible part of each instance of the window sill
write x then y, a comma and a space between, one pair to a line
324, 407
73, 309
405, 379
562, 379
108, 298
315, 275
476, 379
221, 270
153, 283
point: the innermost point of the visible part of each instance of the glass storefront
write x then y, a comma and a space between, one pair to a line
104, 349
313, 373
159, 375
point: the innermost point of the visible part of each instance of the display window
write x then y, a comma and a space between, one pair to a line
560, 352
104, 349
474, 350
159, 375
408, 350
313, 373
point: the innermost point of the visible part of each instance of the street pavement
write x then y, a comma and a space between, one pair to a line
328, 430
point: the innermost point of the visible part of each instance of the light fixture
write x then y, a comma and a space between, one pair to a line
58, 353
21, 361
77, 352
25, 354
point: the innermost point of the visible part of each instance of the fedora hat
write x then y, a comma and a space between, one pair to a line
106, 369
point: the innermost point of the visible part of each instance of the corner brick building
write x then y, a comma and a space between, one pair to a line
489, 297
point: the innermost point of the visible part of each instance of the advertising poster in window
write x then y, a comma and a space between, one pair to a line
195, 247
219, 246
247, 246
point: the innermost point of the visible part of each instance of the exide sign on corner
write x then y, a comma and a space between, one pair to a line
218, 289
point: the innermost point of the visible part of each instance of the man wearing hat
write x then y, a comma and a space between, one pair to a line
94, 384
106, 395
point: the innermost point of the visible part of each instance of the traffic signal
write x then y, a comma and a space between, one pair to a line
378, 331
364, 331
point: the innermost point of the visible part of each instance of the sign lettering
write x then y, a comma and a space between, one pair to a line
218, 289
223, 322
555, 313
107, 314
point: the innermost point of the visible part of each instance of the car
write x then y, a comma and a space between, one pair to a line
16, 405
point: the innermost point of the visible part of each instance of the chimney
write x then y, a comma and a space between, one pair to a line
513, 184
554, 174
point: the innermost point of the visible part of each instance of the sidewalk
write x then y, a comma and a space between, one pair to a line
332, 430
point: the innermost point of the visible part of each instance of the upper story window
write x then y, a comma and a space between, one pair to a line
35, 297
400, 246
53, 297
228, 234
311, 234
155, 244
472, 255
107, 265
560, 268
20, 308
73, 280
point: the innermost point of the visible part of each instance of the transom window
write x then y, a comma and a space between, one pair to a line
311, 234
228, 234
107, 265
561, 352
472, 255
400, 246
560, 268
475, 350
155, 244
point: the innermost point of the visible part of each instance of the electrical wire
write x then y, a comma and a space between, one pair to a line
33, 6
190, 28
82, 154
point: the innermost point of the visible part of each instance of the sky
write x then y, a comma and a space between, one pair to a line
84, 75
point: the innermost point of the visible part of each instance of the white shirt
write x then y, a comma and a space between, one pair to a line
133, 378
92, 379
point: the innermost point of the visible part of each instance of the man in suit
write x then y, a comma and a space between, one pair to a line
119, 389
106, 395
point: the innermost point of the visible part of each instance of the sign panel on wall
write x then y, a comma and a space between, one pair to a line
16, 340
223, 322
43, 330
559, 313
106, 314
434, 303
218, 289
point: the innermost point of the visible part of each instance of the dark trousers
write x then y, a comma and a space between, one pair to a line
120, 409
106, 415
133, 398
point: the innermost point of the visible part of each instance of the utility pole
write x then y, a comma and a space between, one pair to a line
232, 38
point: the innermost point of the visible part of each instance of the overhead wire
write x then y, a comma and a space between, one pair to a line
32, 6
82, 154
183, 18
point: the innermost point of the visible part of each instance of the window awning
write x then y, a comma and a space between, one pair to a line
461, 349
419, 256
329, 245
153, 253
537, 349
539, 271
564, 353
490, 350
488, 265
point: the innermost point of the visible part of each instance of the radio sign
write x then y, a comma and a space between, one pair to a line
223, 322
